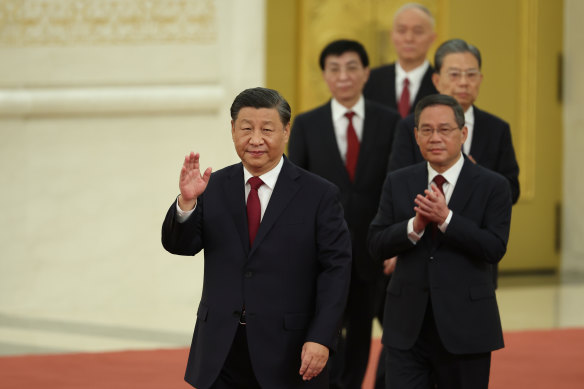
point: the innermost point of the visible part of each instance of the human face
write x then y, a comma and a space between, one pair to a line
345, 77
441, 151
459, 77
259, 138
412, 35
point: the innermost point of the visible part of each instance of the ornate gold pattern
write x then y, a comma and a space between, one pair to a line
69, 22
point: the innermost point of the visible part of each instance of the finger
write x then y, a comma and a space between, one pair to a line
306, 359
207, 174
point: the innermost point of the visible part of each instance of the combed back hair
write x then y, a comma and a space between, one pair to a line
454, 46
437, 99
420, 7
262, 98
342, 46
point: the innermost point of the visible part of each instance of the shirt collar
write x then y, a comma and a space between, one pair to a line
415, 74
469, 116
339, 110
451, 174
268, 178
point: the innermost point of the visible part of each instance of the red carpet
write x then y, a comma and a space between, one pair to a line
532, 359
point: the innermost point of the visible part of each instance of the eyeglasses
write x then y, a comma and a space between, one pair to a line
442, 131
456, 74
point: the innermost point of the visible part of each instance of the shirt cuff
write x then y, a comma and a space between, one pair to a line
442, 227
413, 236
182, 216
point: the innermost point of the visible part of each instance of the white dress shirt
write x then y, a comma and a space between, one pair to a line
415, 77
469, 123
341, 122
451, 176
264, 192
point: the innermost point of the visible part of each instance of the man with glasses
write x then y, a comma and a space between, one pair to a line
489, 143
441, 318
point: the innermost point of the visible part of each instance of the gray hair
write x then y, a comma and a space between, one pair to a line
417, 6
454, 46
262, 98
437, 99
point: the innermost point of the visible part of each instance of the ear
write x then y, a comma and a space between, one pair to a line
287, 132
436, 80
232, 129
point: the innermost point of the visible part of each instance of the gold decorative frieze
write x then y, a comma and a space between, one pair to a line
70, 22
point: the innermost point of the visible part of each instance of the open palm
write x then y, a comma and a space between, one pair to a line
191, 183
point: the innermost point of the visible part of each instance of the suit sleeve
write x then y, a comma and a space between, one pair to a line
507, 164
403, 150
297, 151
334, 258
486, 240
183, 238
387, 235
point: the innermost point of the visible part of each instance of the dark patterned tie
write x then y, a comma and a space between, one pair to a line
439, 181
352, 147
404, 102
254, 209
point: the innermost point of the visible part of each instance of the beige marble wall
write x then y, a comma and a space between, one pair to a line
99, 102
573, 203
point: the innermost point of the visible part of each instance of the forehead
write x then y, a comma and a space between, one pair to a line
460, 60
345, 58
258, 115
412, 17
437, 115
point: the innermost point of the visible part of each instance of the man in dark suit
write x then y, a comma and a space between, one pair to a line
458, 74
402, 84
274, 291
321, 143
447, 220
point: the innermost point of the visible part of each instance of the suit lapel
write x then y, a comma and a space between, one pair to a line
285, 190
330, 145
234, 189
370, 129
463, 189
391, 87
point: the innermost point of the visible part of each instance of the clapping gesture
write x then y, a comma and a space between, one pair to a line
191, 183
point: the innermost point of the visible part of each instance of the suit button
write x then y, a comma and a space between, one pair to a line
247, 274
431, 258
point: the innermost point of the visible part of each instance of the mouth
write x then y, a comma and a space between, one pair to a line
256, 153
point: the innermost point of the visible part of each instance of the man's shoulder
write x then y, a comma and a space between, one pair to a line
383, 71
487, 117
409, 171
372, 106
314, 113
305, 177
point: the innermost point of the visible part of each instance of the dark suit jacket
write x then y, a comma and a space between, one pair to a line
381, 86
313, 146
293, 280
451, 272
491, 147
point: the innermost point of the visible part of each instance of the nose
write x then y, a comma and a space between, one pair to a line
256, 137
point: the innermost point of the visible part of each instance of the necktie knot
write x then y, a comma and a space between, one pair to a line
406, 82
255, 182
439, 180
350, 115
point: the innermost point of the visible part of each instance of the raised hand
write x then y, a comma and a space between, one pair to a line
191, 183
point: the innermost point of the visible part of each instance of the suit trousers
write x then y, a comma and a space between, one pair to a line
429, 365
349, 363
237, 372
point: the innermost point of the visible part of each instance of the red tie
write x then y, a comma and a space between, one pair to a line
439, 180
404, 101
254, 209
352, 147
